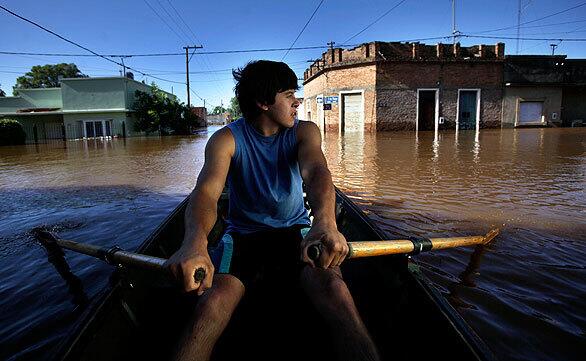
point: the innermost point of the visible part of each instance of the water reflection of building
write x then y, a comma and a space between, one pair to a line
353, 160
80, 108
402, 86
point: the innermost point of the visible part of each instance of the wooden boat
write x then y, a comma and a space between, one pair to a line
407, 317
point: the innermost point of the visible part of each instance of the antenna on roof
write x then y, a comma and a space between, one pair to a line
455, 33
519, 25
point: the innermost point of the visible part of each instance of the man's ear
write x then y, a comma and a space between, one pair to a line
263, 107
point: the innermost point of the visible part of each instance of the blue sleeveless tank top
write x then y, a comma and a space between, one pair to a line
265, 183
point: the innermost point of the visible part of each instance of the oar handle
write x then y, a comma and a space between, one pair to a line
113, 255
199, 275
414, 245
314, 251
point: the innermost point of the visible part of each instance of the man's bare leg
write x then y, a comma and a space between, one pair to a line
212, 313
332, 299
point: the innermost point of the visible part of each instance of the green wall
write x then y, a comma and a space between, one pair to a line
93, 93
43, 98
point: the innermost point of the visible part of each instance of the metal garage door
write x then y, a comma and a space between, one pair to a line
530, 112
352, 119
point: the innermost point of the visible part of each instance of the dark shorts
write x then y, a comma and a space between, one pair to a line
260, 256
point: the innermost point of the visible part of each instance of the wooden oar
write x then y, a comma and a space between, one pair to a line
114, 255
414, 245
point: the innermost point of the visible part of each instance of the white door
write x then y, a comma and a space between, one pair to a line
352, 119
530, 112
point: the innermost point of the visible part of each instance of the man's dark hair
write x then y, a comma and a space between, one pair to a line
259, 81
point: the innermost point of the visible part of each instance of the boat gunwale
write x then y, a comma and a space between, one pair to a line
459, 324
93, 311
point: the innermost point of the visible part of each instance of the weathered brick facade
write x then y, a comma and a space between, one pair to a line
389, 76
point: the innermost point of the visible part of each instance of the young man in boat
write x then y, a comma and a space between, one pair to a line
265, 157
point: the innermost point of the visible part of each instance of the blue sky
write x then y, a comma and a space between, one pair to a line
132, 27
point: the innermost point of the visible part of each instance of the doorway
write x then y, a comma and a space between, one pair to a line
352, 117
468, 109
427, 109
97, 128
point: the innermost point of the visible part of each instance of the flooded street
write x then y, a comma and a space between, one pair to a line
524, 294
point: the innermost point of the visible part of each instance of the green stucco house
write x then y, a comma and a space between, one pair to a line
80, 108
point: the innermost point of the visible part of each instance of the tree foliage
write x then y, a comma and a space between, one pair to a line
219, 110
156, 112
47, 76
2, 92
235, 108
11, 132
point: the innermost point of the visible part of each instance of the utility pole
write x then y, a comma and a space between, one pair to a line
331, 44
123, 67
553, 46
187, 70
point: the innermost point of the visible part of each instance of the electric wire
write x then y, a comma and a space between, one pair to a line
377, 20
303, 29
531, 21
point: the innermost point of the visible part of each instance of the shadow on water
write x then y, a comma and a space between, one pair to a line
42, 293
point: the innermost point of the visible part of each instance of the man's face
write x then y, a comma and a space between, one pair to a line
284, 110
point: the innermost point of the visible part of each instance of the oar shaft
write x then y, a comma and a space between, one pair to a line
119, 256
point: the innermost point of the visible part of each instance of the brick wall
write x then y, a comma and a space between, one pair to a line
332, 83
397, 84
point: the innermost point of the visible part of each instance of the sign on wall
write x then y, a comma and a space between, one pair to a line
319, 100
327, 106
331, 100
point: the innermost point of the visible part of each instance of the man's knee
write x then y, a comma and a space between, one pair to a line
324, 285
221, 300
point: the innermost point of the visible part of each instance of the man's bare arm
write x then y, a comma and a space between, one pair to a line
321, 196
201, 213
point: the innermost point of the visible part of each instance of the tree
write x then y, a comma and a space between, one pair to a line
219, 110
2, 93
158, 113
11, 132
47, 76
235, 108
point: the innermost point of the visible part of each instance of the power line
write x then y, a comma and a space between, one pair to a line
553, 24
167, 54
173, 19
81, 46
204, 60
531, 21
163, 20
181, 18
377, 20
303, 29
514, 38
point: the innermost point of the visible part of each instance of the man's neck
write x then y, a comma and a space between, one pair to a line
265, 126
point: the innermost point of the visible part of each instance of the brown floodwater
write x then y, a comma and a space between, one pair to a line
524, 294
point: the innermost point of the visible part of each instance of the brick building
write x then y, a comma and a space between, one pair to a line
406, 86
